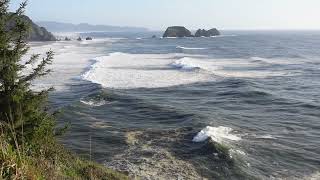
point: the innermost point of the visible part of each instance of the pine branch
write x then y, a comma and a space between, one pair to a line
40, 70
32, 59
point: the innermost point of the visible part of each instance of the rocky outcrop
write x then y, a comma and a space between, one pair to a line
205, 33
180, 31
36, 33
89, 38
177, 31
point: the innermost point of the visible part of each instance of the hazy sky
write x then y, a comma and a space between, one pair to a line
158, 14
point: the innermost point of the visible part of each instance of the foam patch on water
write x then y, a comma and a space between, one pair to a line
70, 59
279, 61
268, 136
126, 71
99, 40
184, 65
218, 134
93, 102
314, 176
189, 48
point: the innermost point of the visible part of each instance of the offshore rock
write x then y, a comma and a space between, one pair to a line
205, 33
177, 31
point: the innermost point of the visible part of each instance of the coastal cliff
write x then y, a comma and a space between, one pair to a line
36, 32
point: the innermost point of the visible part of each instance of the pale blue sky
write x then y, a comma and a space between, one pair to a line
158, 14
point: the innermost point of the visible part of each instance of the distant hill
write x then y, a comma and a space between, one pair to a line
84, 27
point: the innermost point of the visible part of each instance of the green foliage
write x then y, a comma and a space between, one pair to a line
20, 108
27, 130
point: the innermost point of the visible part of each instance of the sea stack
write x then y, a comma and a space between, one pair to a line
67, 39
177, 31
205, 33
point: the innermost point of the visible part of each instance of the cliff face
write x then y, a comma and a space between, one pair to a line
36, 33
177, 31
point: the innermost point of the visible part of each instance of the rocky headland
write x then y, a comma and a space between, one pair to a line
36, 32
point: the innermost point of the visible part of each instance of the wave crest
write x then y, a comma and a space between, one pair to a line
190, 48
218, 134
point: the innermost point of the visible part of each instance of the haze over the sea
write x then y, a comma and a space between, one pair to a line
156, 15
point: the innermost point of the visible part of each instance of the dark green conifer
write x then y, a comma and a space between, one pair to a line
23, 112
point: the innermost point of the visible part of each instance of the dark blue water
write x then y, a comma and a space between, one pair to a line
272, 103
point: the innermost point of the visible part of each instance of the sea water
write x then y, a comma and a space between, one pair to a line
245, 105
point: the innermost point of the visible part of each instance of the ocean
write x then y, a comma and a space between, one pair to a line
244, 105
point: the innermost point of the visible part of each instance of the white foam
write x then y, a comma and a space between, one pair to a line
280, 61
314, 176
218, 134
231, 35
62, 35
98, 41
69, 61
268, 136
170, 37
184, 65
93, 102
125, 71
189, 48
218, 67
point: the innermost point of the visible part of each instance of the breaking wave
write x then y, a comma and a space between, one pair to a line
189, 48
219, 134
127, 71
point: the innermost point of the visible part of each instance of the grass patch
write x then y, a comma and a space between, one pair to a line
62, 164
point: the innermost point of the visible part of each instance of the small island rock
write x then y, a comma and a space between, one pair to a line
89, 38
205, 33
177, 31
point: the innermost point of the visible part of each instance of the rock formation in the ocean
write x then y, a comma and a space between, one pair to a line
36, 33
177, 31
180, 31
79, 39
89, 38
205, 33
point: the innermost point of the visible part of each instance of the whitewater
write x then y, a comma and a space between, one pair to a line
244, 105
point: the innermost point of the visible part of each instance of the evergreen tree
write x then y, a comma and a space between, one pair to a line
23, 112
28, 147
